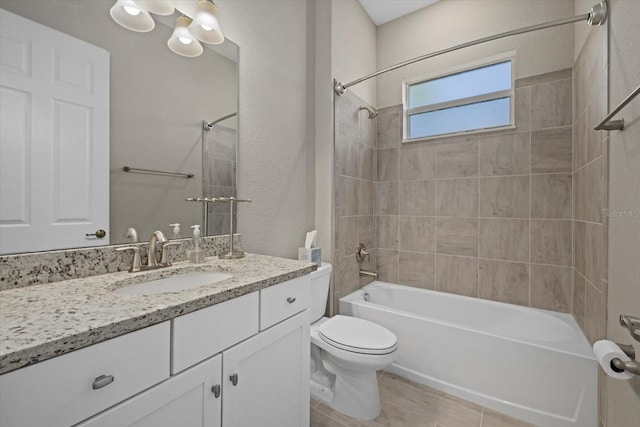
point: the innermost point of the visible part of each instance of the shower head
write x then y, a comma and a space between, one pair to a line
372, 112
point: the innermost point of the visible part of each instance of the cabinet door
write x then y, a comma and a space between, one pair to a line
185, 400
271, 376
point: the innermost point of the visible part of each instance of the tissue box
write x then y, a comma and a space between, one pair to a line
313, 255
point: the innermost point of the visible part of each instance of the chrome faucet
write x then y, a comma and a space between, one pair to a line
152, 256
361, 256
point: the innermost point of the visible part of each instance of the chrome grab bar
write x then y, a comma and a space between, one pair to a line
632, 324
607, 123
157, 172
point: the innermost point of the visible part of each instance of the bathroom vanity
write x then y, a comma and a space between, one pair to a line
233, 353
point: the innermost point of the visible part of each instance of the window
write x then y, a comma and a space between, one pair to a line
475, 99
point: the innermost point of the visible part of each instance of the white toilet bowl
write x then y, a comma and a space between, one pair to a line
346, 353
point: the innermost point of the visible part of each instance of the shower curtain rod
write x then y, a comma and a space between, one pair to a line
597, 16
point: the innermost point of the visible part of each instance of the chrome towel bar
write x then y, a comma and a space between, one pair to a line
608, 124
138, 170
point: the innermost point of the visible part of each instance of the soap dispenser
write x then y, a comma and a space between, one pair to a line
176, 231
195, 253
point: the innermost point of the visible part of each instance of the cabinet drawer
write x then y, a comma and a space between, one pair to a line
203, 333
282, 301
60, 391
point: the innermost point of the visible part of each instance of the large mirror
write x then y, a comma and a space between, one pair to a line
158, 105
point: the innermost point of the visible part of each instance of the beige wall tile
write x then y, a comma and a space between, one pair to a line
578, 304
366, 167
506, 239
366, 231
522, 108
417, 161
589, 191
457, 197
504, 281
347, 234
551, 104
544, 78
388, 164
366, 197
457, 275
389, 127
348, 278
387, 231
457, 159
507, 154
595, 312
417, 198
416, 269
457, 236
386, 198
416, 233
551, 150
347, 196
551, 287
387, 265
551, 196
505, 197
589, 250
551, 242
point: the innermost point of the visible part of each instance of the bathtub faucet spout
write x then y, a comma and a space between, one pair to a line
368, 273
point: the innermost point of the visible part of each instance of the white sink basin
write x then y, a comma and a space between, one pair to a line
176, 283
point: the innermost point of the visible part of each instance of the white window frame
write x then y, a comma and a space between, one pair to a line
485, 62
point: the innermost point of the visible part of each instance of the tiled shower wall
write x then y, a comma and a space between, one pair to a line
354, 170
590, 173
484, 215
219, 175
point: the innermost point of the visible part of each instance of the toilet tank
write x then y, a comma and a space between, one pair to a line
320, 280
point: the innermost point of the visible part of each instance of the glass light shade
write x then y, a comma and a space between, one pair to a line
159, 7
131, 16
182, 41
205, 25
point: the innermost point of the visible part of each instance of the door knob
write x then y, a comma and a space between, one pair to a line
216, 391
234, 379
99, 234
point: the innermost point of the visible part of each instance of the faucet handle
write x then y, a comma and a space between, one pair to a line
135, 264
361, 252
164, 259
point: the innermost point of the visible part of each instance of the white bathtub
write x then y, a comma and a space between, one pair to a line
532, 364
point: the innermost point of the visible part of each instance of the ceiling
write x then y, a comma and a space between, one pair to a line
382, 11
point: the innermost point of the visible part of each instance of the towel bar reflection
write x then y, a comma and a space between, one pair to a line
608, 124
156, 172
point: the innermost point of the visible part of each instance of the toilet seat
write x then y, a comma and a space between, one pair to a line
357, 335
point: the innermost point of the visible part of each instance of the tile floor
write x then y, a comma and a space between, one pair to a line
407, 404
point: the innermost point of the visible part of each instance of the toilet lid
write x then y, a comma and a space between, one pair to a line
357, 335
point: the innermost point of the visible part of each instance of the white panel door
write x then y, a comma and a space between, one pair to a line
186, 400
54, 138
266, 378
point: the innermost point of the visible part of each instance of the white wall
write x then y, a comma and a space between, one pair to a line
353, 41
449, 23
273, 102
623, 397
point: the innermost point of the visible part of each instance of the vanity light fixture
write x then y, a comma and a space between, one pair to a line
132, 16
205, 25
159, 7
182, 41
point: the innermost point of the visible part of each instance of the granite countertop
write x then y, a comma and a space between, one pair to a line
43, 321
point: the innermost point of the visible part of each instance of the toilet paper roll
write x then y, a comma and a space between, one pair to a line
605, 352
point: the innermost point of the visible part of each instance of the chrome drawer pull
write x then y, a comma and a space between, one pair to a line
291, 300
216, 391
234, 379
103, 381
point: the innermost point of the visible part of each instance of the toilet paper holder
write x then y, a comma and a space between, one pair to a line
631, 366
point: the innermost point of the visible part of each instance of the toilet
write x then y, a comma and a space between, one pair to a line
346, 352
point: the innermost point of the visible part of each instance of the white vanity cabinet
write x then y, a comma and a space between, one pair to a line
240, 363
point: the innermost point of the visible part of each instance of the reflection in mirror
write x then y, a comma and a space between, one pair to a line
157, 104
